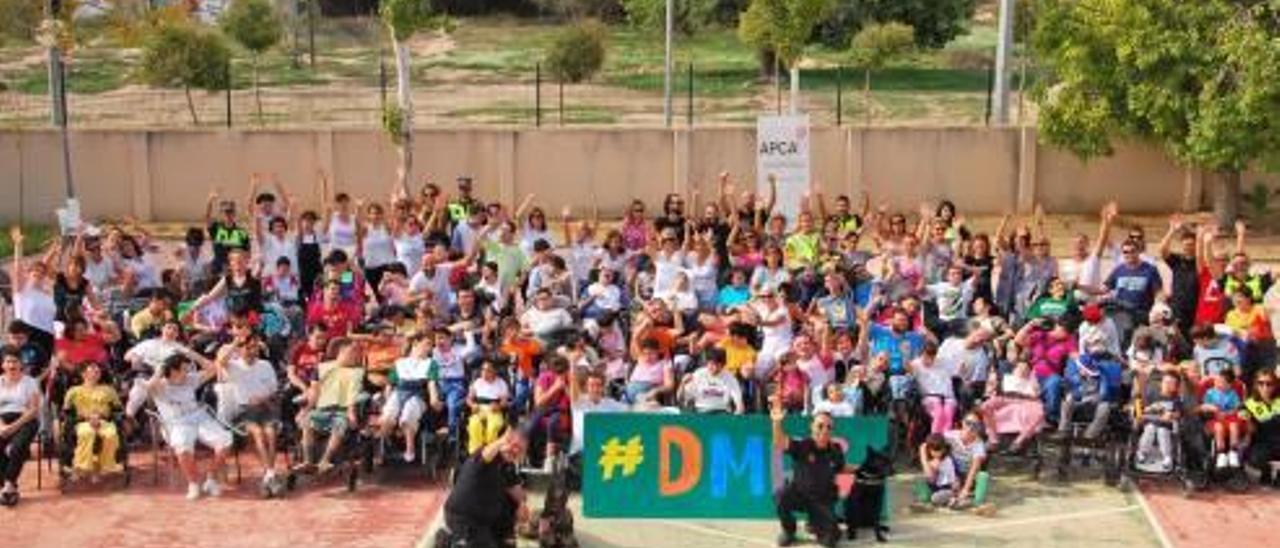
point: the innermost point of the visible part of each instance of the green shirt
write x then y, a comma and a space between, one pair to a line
510, 260
801, 250
1049, 307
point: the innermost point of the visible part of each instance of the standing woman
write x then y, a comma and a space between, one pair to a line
275, 243
33, 300
535, 228
408, 239
19, 406
72, 290
979, 261
378, 250
635, 230
340, 221
240, 290
309, 263
704, 270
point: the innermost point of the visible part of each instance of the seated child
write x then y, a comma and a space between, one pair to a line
1159, 417
939, 471
92, 403
488, 402
1222, 404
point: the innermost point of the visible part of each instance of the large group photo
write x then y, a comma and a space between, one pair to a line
1044, 317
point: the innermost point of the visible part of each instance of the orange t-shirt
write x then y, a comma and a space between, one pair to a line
524, 351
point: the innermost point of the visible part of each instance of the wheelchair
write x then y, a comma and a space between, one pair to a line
67, 439
430, 441
354, 454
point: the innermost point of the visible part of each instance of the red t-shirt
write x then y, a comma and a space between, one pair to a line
338, 320
1212, 305
306, 360
90, 347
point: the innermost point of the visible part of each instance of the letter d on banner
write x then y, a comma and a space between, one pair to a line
690, 448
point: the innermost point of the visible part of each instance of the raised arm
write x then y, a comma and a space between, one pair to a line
208, 206
566, 224
524, 206
1108, 217
16, 271
1037, 223
722, 193
286, 202
1175, 225
1240, 233
776, 415
773, 193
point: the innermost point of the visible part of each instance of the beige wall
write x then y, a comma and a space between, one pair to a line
167, 175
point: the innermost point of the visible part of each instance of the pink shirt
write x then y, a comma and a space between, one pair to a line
652, 373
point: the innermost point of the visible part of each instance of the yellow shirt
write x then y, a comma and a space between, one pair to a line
89, 402
736, 355
143, 320
801, 249
339, 386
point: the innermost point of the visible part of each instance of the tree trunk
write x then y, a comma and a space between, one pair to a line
1226, 200
866, 95
795, 88
191, 105
404, 100
257, 91
768, 68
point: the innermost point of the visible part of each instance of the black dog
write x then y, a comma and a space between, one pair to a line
555, 522
865, 503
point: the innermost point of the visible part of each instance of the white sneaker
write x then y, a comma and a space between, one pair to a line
409, 456
1166, 464
212, 487
1233, 459
193, 491
1222, 460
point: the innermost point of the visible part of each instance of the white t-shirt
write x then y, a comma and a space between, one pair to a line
250, 382
580, 410
490, 390
379, 249
1013, 384
14, 397
152, 352
934, 380
99, 273
840, 408
409, 251
273, 248
35, 308
437, 282
607, 296
542, 322
177, 401
956, 356
342, 234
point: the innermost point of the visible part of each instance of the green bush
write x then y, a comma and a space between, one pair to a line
254, 24
578, 52
689, 15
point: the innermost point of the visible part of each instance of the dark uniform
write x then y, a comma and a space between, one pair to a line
812, 488
479, 509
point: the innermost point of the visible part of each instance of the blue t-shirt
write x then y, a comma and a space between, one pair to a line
1135, 286
731, 296
840, 311
1227, 401
901, 348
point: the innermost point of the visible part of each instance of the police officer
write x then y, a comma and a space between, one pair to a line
812, 489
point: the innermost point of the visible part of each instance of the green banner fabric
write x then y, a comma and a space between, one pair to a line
697, 466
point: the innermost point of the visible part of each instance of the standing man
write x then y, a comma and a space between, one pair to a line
812, 489
225, 231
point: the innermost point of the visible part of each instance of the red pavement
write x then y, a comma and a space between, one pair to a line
390, 511
1215, 518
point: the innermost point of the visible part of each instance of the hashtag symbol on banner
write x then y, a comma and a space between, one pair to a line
614, 454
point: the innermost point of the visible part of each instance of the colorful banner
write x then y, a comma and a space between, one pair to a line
697, 466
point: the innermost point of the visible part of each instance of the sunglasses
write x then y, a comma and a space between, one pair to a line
1265, 383
822, 426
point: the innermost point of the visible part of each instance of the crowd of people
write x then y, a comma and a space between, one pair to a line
458, 317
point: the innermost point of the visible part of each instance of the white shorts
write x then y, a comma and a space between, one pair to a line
184, 433
403, 410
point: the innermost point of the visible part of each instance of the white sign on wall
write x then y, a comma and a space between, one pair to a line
782, 150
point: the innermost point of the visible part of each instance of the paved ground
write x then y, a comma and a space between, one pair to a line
1030, 514
384, 514
1215, 518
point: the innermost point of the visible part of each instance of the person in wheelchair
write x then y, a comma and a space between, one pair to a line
90, 406
1014, 407
1221, 405
1160, 417
712, 389
186, 421
1262, 410
1091, 381
409, 378
337, 397
487, 399
250, 391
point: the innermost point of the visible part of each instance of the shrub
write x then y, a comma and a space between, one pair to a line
578, 52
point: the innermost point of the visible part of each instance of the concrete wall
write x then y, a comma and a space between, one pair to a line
167, 175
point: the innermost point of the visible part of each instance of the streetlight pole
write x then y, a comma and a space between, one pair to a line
666, 71
1000, 91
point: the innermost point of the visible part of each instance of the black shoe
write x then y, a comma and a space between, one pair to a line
786, 539
9, 498
829, 541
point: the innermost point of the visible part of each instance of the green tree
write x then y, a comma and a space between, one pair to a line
255, 25
578, 51
182, 54
1197, 78
875, 46
403, 19
936, 22
780, 29
688, 16
20, 18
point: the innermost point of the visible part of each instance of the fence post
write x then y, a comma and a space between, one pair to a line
311, 32
839, 94
991, 80
560, 83
537, 95
382, 80
690, 94
227, 67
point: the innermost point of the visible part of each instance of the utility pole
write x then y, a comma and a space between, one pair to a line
1004, 46
666, 71
58, 98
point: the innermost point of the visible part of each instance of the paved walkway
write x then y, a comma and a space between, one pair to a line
393, 513
1215, 518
